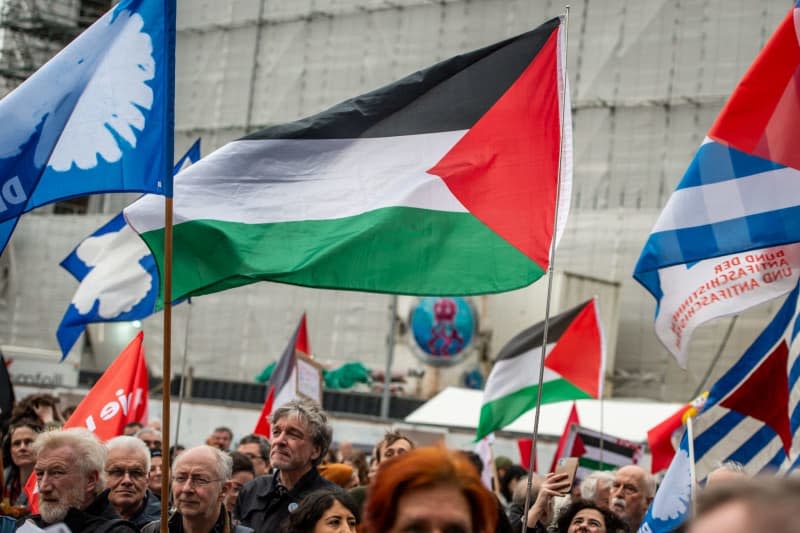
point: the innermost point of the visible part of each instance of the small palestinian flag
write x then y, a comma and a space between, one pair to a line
574, 367
443, 182
282, 384
600, 451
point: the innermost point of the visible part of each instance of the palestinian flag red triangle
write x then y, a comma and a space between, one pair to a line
764, 395
761, 116
491, 170
578, 354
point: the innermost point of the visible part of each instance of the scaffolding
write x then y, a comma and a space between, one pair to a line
33, 31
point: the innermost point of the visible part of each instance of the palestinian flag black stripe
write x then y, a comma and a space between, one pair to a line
428, 101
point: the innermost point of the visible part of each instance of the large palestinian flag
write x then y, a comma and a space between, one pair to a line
441, 183
574, 367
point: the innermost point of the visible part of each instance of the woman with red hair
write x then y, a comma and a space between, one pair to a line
429, 490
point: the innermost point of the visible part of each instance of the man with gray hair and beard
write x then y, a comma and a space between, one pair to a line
300, 438
632, 490
70, 472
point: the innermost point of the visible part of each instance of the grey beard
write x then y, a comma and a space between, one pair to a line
53, 512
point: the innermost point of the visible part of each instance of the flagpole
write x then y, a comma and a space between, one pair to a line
166, 380
182, 388
535, 432
387, 374
692, 469
169, 160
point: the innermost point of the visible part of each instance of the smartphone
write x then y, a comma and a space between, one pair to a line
567, 465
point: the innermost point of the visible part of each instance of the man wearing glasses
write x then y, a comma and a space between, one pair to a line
151, 437
127, 470
200, 481
256, 448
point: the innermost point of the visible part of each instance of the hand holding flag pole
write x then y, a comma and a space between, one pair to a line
564, 100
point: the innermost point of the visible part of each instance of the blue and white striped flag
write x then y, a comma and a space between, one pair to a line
752, 416
98, 117
753, 411
118, 275
725, 241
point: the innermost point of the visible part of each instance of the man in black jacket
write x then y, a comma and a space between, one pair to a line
69, 469
300, 438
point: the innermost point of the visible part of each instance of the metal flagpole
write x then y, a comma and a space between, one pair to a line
535, 432
692, 470
182, 388
387, 373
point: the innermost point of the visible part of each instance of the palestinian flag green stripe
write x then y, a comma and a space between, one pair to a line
504, 410
367, 252
591, 464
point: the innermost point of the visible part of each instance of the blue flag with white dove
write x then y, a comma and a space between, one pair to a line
118, 275
672, 502
98, 117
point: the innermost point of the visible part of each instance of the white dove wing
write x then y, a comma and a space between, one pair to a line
675, 493
117, 279
23, 109
111, 105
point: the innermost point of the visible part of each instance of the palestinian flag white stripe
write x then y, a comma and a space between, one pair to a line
314, 179
510, 375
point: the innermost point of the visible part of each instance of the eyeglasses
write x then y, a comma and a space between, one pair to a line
152, 443
134, 473
254, 457
194, 481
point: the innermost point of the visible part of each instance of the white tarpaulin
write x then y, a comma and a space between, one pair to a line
628, 419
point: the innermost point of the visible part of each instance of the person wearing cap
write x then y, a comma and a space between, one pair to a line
339, 474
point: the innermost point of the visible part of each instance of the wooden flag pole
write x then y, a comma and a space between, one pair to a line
166, 282
166, 389
535, 432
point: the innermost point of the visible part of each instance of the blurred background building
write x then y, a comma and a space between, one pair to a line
647, 79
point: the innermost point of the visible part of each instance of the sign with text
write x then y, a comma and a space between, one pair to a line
721, 286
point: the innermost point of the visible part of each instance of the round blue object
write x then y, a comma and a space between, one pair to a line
442, 328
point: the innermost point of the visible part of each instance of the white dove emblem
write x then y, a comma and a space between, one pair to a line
96, 103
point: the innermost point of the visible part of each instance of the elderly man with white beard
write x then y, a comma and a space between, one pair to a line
632, 490
70, 472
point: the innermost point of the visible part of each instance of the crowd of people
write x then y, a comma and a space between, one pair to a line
294, 482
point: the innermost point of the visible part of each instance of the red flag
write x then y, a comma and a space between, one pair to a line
281, 383
760, 117
525, 447
577, 446
764, 395
660, 438
118, 397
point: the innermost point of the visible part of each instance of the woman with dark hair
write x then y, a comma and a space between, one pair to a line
584, 515
19, 445
324, 511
